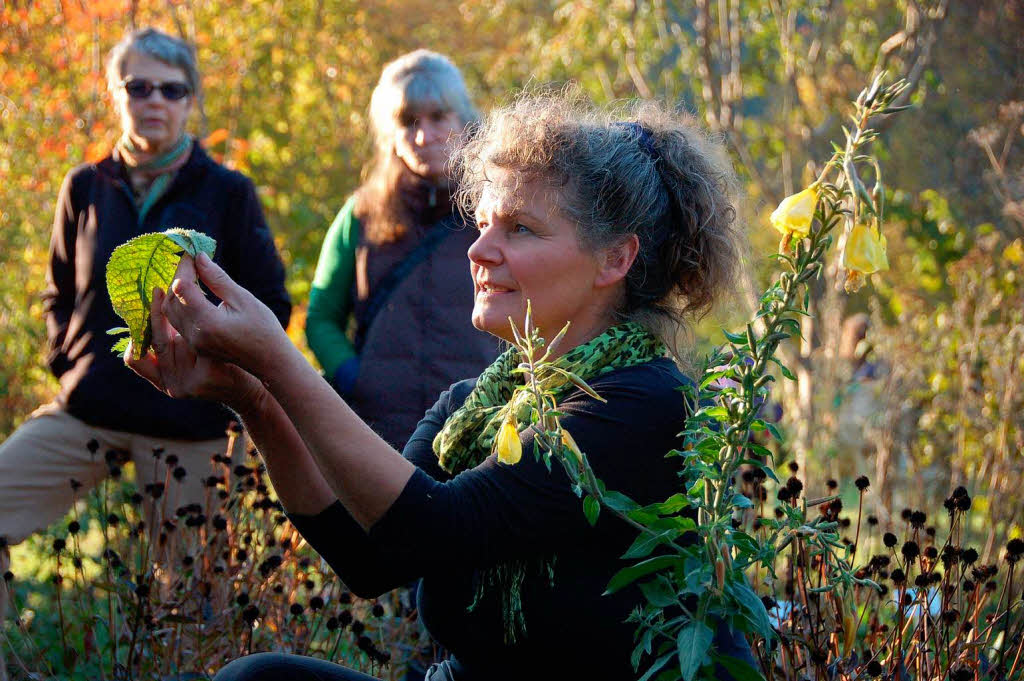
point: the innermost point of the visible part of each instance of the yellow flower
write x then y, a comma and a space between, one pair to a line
1014, 252
507, 444
864, 254
571, 445
795, 214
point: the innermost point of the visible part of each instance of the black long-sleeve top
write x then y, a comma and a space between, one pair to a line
445, 529
96, 212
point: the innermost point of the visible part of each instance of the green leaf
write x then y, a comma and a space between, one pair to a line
646, 543
121, 346
657, 665
774, 431
592, 509
752, 607
692, 646
783, 368
632, 573
738, 668
742, 501
192, 242
712, 377
717, 413
137, 267
659, 593
617, 501
737, 338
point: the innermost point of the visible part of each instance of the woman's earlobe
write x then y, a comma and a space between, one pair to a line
617, 260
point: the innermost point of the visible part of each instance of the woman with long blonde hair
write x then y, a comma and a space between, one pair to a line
392, 267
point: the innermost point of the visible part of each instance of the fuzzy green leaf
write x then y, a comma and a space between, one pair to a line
137, 267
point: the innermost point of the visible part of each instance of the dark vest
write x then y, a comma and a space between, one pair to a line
422, 340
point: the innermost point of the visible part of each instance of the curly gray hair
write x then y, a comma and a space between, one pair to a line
661, 177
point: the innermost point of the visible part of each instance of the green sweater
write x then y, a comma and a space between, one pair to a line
330, 298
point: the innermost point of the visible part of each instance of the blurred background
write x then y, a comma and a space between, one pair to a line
913, 381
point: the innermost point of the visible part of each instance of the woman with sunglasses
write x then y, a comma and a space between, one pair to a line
627, 231
157, 177
395, 256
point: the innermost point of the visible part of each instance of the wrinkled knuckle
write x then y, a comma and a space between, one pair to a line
200, 336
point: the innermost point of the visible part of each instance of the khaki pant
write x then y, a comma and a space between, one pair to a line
39, 460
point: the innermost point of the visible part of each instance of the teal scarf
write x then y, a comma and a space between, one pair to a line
161, 168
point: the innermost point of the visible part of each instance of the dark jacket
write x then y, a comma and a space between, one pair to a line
96, 213
445, 529
423, 338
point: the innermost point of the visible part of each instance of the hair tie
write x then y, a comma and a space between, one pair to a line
643, 137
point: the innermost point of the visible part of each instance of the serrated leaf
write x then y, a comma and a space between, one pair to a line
138, 266
692, 645
121, 346
192, 242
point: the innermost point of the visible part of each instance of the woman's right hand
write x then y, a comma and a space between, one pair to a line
241, 330
176, 370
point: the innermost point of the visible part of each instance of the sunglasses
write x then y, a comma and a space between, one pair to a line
139, 88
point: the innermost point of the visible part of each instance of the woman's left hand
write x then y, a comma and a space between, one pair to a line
176, 370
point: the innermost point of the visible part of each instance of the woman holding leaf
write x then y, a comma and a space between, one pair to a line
157, 177
621, 230
394, 258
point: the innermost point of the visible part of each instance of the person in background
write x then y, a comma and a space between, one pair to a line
157, 177
625, 230
393, 263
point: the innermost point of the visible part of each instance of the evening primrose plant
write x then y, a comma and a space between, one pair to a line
696, 550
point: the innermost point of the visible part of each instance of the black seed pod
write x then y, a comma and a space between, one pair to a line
250, 614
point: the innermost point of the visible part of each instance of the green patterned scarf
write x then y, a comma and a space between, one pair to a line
468, 435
